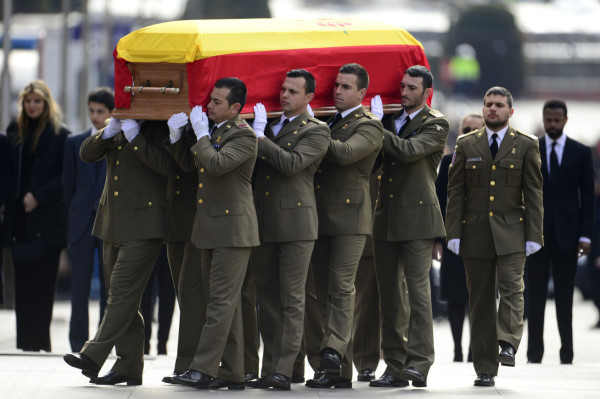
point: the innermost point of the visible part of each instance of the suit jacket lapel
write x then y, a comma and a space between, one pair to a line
414, 124
482, 145
508, 143
544, 157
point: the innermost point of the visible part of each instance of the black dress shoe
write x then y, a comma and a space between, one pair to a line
193, 378
169, 378
278, 381
257, 383
484, 380
413, 374
297, 379
419, 384
218, 383
366, 375
330, 380
113, 378
318, 374
389, 381
84, 363
250, 377
506, 357
331, 360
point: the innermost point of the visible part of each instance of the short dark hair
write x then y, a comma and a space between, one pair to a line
310, 84
555, 103
362, 77
499, 91
103, 95
419, 71
237, 93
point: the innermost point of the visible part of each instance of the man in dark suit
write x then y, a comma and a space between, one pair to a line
131, 222
345, 219
568, 223
289, 152
225, 228
494, 220
407, 220
82, 186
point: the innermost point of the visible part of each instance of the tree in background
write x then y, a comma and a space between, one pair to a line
493, 33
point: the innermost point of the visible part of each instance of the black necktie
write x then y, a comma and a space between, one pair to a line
494, 146
553, 162
285, 122
403, 127
336, 119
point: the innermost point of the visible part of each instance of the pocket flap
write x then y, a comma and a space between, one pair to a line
226, 208
298, 201
511, 163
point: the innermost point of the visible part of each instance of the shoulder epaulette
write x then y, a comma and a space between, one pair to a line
462, 136
317, 121
242, 124
436, 113
370, 115
530, 136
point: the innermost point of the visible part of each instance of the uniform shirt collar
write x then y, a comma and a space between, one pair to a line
501, 133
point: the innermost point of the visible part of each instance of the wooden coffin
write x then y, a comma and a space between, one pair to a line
171, 67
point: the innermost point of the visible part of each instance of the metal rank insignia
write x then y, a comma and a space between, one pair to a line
513, 151
218, 139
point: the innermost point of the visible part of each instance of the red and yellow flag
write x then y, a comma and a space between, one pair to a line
261, 51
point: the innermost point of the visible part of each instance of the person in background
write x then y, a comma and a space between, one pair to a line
36, 214
82, 186
568, 175
453, 285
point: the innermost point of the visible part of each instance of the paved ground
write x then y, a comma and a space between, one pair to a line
45, 375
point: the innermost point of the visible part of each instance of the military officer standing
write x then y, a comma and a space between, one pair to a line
345, 220
184, 258
131, 222
407, 220
225, 228
289, 152
494, 220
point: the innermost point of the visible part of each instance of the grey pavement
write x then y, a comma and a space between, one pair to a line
30, 376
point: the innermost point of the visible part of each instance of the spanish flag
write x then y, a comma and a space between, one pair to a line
261, 51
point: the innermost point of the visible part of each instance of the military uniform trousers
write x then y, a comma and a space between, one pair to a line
250, 319
335, 261
222, 337
407, 330
366, 336
192, 306
488, 325
175, 251
281, 271
127, 268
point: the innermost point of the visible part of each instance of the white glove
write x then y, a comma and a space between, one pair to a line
377, 106
111, 130
176, 124
454, 245
531, 247
260, 120
310, 111
199, 122
131, 128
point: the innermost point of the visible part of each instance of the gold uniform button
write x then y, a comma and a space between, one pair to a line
119, 147
492, 198
118, 162
116, 178
263, 157
150, 203
299, 203
135, 148
390, 179
317, 186
177, 192
226, 211
391, 196
464, 221
420, 202
201, 170
492, 183
520, 219
347, 200
512, 166
266, 193
195, 152
493, 167
116, 193
474, 167
200, 201
319, 171
491, 213
267, 177
289, 144
379, 177
176, 177
393, 163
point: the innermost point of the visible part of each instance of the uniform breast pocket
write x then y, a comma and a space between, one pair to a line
474, 170
513, 169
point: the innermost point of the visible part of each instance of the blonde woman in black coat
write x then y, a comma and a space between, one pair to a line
36, 214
